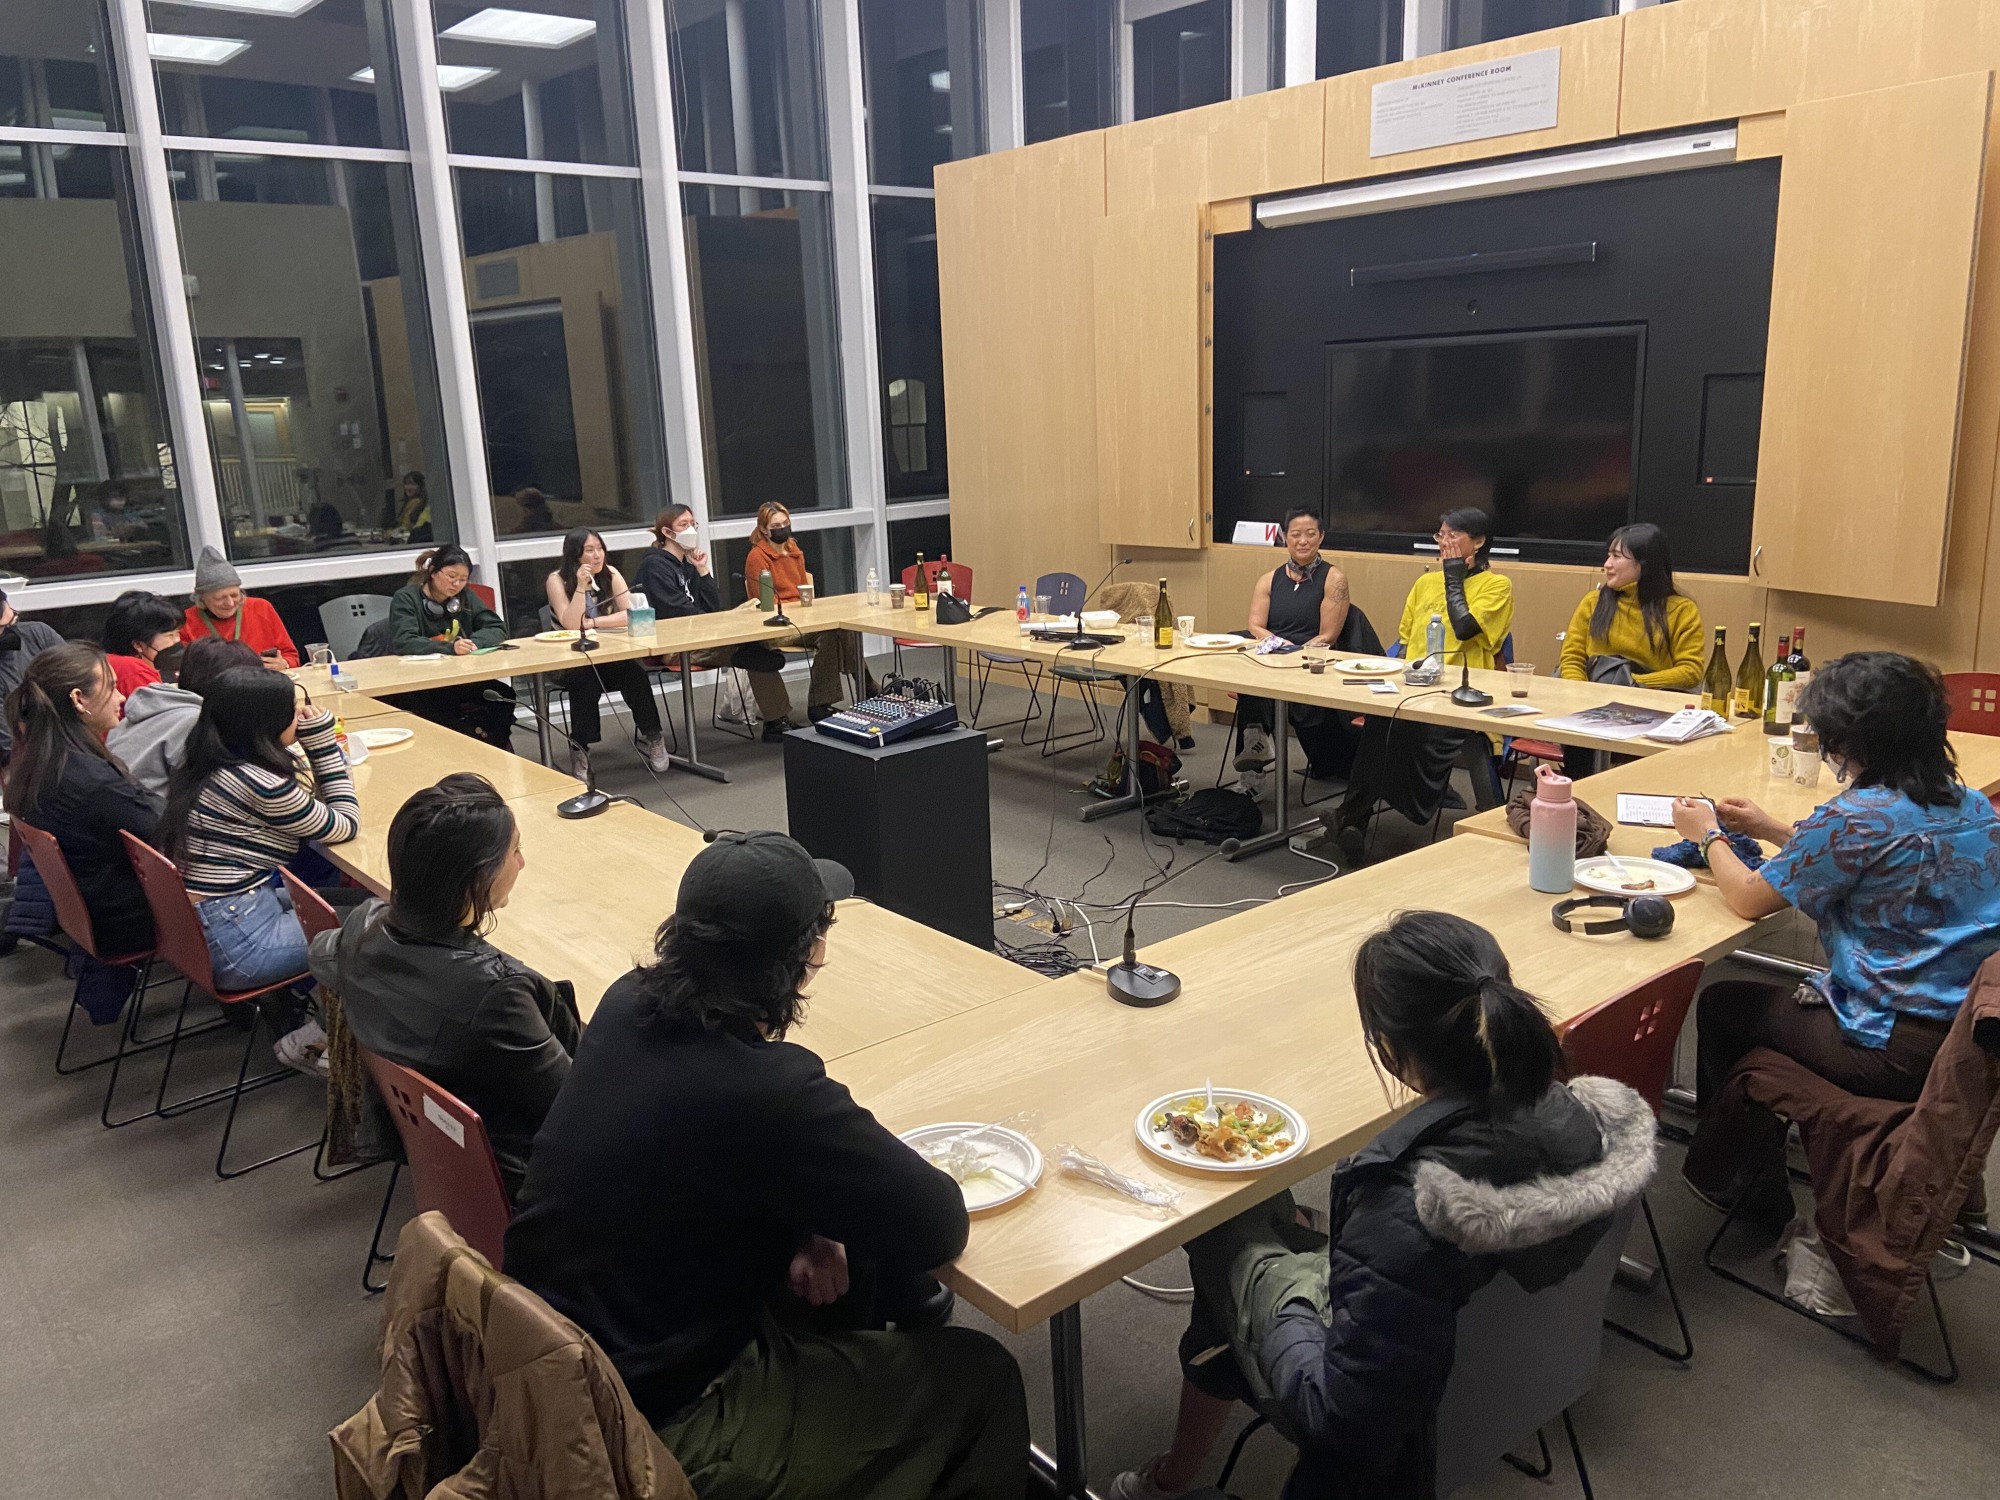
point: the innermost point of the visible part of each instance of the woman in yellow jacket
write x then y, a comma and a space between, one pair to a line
1635, 627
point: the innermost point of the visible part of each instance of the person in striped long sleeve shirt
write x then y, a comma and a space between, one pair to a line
239, 809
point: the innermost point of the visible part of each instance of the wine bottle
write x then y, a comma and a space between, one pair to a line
1779, 690
1746, 700
1163, 620
920, 594
1801, 667
944, 583
1715, 682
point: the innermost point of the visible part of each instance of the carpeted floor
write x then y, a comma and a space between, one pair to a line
164, 1335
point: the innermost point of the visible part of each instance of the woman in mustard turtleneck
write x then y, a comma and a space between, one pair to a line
1636, 616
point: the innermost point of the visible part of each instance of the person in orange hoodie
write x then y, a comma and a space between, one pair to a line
222, 611
774, 550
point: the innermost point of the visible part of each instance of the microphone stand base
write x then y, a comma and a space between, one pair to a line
1142, 985
780, 619
1470, 697
585, 804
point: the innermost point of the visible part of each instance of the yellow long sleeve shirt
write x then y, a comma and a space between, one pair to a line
1671, 664
1490, 598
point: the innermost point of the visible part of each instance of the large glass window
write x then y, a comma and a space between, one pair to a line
921, 60
87, 477
562, 337
746, 80
767, 345
1489, 20
539, 79
276, 70
912, 345
1066, 51
314, 349
1357, 34
1180, 59
930, 535
53, 67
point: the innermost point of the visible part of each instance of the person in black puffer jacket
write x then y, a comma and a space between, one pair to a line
1346, 1343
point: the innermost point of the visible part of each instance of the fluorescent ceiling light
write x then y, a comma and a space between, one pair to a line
451, 76
1492, 180
519, 28
210, 51
286, 9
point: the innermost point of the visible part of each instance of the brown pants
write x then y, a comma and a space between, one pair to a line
774, 700
1733, 1146
834, 652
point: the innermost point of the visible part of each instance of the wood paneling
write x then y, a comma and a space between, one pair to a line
1586, 102
1878, 218
1265, 143
1760, 135
1149, 365
1016, 233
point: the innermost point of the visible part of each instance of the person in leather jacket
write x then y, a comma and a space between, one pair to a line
420, 986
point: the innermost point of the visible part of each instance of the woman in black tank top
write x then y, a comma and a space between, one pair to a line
1305, 602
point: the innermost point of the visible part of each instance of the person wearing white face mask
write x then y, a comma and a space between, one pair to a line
676, 577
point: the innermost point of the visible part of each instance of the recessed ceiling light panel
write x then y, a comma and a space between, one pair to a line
209, 51
451, 76
284, 9
519, 28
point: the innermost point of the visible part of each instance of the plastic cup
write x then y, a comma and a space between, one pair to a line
1519, 675
1185, 625
1779, 747
1041, 606
1142, 627
895, 596
320, 655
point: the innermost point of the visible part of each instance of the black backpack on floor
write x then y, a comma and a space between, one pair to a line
1210, 815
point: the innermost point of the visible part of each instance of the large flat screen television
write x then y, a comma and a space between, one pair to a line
1539, 429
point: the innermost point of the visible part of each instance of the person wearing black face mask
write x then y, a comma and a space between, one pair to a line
773, 550
21, 641
142, 636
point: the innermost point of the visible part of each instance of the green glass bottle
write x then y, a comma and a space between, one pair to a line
1715, 682
1746, 700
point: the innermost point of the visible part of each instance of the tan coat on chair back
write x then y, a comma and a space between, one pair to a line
1132, 600
487, 1394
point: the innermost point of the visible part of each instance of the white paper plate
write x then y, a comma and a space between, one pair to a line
1215, 642
1163, 1145
1600, 874
356, 750
555, 635
1017, 1162
1368, 666
381, 739
422, 660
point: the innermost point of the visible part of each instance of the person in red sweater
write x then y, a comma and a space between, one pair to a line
773, 551
222, 611
142, 638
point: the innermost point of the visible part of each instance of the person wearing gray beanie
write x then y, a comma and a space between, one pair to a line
222, 611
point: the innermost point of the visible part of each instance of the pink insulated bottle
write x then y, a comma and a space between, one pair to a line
1552, 834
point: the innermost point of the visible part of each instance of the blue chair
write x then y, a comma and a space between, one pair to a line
1065, 593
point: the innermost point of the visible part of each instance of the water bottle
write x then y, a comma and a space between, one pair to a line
1552, 834
1021, 608
342, 681
1434, 636
874, 589
767, 590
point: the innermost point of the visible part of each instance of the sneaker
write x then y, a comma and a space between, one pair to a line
579, 762
1139, 1484
776, 729
303, 1050
1256, 753
653, 747
1251, 784
819, 711
1951, 1260
1185, 742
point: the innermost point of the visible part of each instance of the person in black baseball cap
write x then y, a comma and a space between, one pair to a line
736, 1231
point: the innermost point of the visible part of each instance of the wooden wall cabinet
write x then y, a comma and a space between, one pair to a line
1150, 422
1871, 300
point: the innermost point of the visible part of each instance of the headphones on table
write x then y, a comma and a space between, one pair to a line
1642, 916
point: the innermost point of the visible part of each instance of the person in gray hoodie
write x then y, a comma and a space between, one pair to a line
152, 737
21, 641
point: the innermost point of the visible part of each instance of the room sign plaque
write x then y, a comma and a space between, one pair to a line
1503, 96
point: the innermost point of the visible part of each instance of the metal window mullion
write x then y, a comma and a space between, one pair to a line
854, 269
160, 252
666, 259
444, 283
1301, 41
1425, 23
1006, 120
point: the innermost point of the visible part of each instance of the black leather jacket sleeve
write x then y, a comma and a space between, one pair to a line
1463, 624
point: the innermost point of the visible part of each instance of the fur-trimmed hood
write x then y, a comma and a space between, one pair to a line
1486, 1217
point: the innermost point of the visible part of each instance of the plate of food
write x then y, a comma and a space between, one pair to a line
381, 739
1202, 642
1221, 1130
1368, 666
556, 635
1629, 875
991, 1164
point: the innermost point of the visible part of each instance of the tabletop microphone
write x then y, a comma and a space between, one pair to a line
1079, 641
1465, 695
585, 804
1146, 985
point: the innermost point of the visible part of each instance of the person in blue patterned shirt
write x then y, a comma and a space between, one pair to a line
1901, 873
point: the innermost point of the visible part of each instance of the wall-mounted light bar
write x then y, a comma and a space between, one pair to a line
1494, 179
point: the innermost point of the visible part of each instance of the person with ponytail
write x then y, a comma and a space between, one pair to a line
63, 781
437, 614
1345, 1339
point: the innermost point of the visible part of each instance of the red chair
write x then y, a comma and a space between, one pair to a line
314, 915
961, 585
73, 917
483, 592
181, 942
1631, 1037
452, 1166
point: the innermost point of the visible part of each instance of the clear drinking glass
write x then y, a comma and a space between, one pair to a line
1141, 628
1042, 606
319, 655
1519, 675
